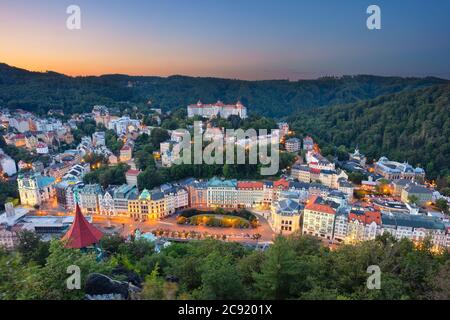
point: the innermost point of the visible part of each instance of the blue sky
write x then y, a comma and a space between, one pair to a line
248, 39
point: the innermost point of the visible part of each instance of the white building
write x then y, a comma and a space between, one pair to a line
293, 145
99, 138
35, 188
41, 148
7, 164
218, 109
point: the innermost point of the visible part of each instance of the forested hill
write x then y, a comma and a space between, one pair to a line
40, 92
412, 126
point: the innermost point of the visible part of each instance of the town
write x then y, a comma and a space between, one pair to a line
104, 175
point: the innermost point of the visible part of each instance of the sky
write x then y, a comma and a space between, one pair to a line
245, 39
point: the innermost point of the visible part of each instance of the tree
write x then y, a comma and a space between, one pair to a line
153, 286
158, 135
220, 279
413, 199
53, 276
442, 204
277, 271
32, 248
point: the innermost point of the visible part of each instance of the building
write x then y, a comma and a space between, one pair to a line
131, 177
358, 158
61, 191
316, 161
175, 198
99, 139
88, 198
293, 145
149, 206
318, 218
301, 172
222, 193
218, 109
126, 153
250, 193
198, 194
284, 128
346, 187
106, 202
393, 170
308, 144
285, 216
422, 194
34, 189
81, 234
123, 125
363, 225
122, 195
7, 164
414, 227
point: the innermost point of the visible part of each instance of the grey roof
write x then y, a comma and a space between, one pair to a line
415, 188
288, 206
298, 185
412, 221
157, 196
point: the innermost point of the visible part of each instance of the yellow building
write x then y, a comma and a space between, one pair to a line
149, 206
285, 216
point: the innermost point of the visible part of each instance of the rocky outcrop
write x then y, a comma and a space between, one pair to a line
101, 287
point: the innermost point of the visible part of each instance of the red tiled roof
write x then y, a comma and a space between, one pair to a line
250, 185
281, 183
132, 172
81, 234
367, 218
312, 205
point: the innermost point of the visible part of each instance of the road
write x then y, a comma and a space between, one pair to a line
126, 226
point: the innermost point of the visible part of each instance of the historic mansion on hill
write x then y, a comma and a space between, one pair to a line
218, 109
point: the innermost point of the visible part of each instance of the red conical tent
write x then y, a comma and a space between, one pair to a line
81, 234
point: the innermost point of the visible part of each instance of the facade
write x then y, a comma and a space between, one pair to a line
250, 193
318, 218
122, 195
198, 194
358, 157
393, 170
149, 206
126, 153
218, 109
106, 202
34, 189
7, 164
414, 227
222, 193
131, 177
88, 196
284, 128
308, 143
301, 172
285, 216
293, 145
422, 194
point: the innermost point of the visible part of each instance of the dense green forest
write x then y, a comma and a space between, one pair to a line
40, 92
292, 268
409, 126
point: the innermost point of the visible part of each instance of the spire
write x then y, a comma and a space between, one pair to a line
81, 234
